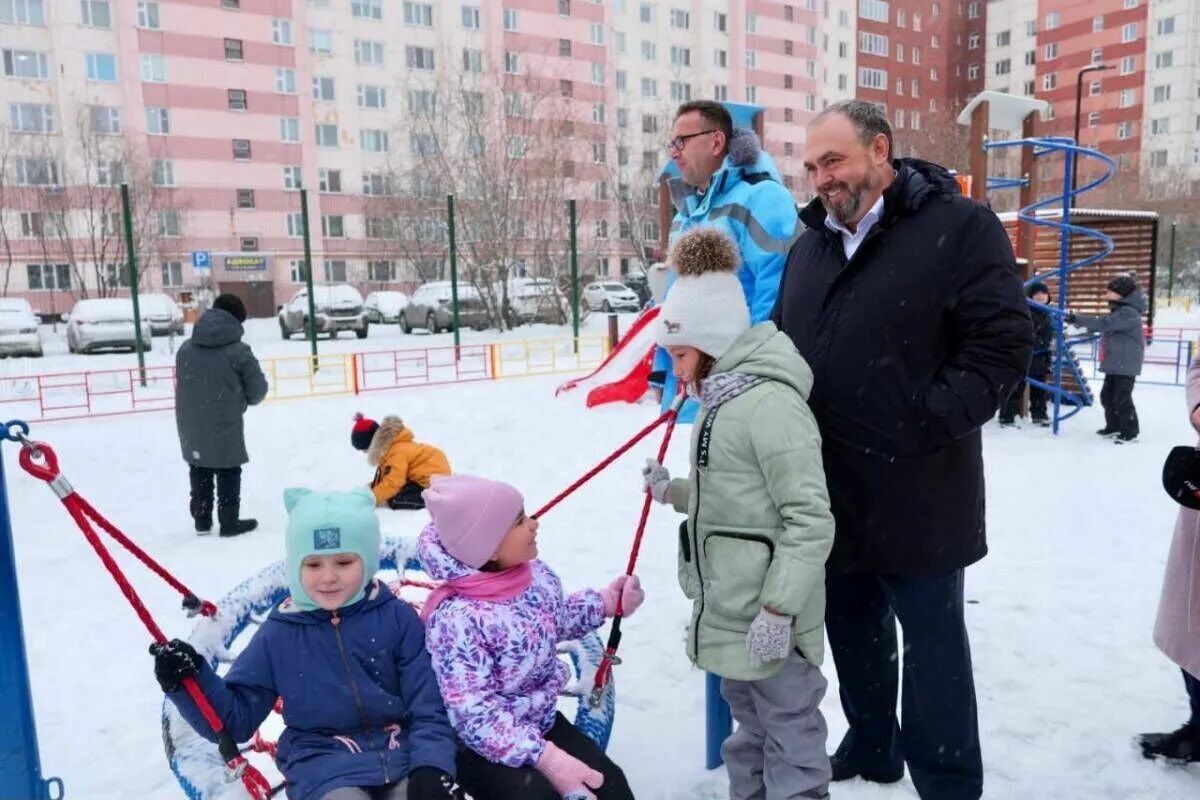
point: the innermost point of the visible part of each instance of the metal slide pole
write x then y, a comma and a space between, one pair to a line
20, 766
308, 278
131, 260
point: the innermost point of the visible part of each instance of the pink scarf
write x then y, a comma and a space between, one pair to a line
495, 587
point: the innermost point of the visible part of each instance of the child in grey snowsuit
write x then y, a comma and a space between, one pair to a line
1122, 348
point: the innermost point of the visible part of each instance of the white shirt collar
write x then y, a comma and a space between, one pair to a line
865, 224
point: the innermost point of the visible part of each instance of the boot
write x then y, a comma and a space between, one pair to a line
1182, 746
843, 770
229, 503
201, 505
1108, 431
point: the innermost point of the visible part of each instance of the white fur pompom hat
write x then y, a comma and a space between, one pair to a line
706, 306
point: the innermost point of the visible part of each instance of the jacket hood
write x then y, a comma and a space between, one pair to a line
377, 594
745, 156
438, 564
391, 429
765, 351
1135, 299
216, 328
916, 183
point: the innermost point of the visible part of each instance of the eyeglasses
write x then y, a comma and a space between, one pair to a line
676, 144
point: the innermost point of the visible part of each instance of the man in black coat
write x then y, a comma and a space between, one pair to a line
904, 298
217, 378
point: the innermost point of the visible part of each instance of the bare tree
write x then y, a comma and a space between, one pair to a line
508, 150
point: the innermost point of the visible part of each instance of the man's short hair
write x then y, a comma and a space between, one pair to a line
868, 119
713, 113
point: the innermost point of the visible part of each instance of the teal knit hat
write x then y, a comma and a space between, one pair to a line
327, 523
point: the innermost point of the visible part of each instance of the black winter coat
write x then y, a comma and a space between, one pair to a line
216, 378
913, 344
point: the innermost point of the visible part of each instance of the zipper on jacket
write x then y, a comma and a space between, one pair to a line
335, 621
702, 444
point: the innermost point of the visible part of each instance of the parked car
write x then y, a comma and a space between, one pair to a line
19, 328
536, 300
610, 296
165, 315
429, 308
385, 306
338, 308
105, 323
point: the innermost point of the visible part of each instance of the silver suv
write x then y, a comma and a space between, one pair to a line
338, 308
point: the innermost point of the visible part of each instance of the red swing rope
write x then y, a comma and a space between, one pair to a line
40, 461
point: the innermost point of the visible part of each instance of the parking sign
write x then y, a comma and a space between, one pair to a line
201, 259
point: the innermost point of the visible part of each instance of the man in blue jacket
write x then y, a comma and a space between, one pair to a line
727, 181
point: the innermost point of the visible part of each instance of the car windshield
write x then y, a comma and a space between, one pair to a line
337, 294
614, 287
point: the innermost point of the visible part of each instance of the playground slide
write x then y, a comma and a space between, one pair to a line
623, 375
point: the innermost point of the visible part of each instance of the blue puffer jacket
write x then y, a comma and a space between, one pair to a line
746, 200
360, 699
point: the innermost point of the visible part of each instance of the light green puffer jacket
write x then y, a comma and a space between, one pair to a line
759, 528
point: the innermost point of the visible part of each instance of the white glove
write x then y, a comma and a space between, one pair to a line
769, 638
656, 480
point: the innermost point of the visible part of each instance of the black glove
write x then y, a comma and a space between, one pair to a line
430, 783
173, 662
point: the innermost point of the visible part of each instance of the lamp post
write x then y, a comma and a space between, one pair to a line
1078, 103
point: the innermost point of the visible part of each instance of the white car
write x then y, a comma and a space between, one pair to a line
610, 296
18, 328
385, 306
165, 315
338, 307
536, 300
97, 324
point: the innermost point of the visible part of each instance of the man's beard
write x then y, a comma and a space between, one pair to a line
847, 208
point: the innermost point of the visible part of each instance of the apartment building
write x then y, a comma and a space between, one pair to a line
217, 112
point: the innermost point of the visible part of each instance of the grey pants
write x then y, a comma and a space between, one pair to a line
777, 751
392, 791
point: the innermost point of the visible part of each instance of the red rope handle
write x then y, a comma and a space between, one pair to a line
236, 766
594, 471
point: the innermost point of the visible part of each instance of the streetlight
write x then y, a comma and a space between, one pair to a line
1078, 103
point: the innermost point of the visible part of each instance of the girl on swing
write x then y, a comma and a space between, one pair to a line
492, 630
759, 529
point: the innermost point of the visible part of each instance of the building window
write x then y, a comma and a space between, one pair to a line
32, 118
233, 49
1128, 65
470, 18
104, 119
1051, 21
649, 51
1158, 158
292, 178
285, 81
236, 99
681, 92
296, 269
876, 10
327, 135
320, 41
335, 271
245, 198
1049, 81
372, 97
48, 277
281, 32
1124, 130
1160, 126
1162, 93
241, 149
510, 20
381, 271
1094, 88
681, 19
101, 67
1128, 97
295, 225
23, 12
973, 72
973, 9
333, 226
1164, 59
368, 52
649, 87
472, 60
1050, 51
1129, 32
1093, 119
168, 223
418, 58
373, 140
162, 172
96, 13
376, 185
564, 48
872, 78
422, 144
681, 56
329, 181
1097, 24
289, 130
370, 9
873, 44
1003, 66
158, 121
172, 274
323, 88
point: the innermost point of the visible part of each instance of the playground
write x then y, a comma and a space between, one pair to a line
1060, 612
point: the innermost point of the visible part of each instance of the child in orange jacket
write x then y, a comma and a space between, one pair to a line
403, 467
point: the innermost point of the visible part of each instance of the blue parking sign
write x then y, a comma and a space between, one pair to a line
201, 259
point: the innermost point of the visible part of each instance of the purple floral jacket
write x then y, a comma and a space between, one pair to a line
496, 662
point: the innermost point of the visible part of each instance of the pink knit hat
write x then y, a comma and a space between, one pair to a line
472, 515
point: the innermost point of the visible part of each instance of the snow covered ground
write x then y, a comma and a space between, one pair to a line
1061, 610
